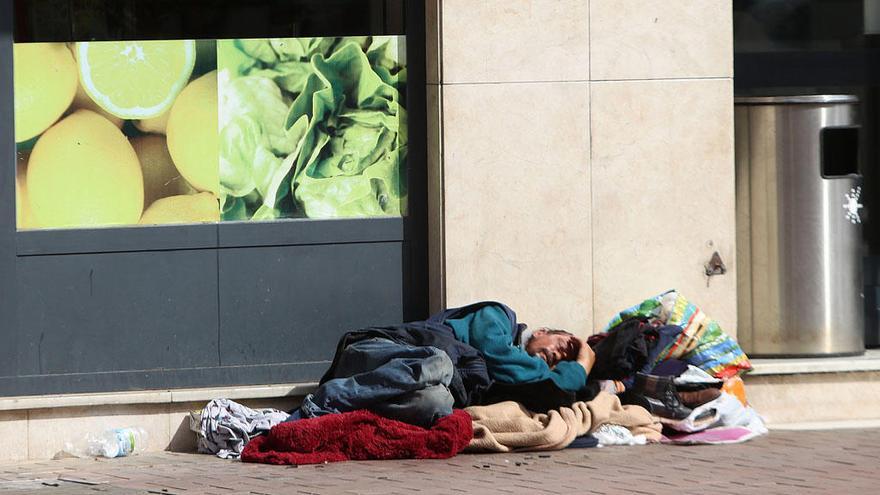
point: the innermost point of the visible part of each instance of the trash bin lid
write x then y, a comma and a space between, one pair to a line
795, 99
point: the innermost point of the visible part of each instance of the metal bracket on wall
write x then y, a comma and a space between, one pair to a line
714, 267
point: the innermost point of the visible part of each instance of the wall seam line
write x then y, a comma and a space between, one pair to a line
592, 329
27, 431
577, 81
668, 79
219, 304
590, 40
441, 163
439, 54
441, 158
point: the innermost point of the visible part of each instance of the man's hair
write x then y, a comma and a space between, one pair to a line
555, 331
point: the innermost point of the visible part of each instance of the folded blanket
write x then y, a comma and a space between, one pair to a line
508, 426
359, 435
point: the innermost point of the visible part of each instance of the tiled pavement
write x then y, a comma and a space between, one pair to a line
806, 462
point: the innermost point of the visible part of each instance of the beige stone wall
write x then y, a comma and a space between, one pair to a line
581, 155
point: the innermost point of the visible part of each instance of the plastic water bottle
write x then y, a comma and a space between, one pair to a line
117, 442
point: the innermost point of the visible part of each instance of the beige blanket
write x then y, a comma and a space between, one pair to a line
508, 426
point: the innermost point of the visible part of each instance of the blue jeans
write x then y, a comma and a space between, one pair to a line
398, 381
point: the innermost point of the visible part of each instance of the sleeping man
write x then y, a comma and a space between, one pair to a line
418, 371
515, 355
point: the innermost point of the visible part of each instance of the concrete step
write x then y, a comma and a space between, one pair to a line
834, 391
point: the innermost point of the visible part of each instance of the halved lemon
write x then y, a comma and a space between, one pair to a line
135, 79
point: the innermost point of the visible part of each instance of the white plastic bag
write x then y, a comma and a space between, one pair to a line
694, 375
726, 410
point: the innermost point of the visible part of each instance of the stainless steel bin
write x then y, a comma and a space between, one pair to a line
799, 226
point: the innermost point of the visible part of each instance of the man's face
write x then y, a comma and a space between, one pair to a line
552, 347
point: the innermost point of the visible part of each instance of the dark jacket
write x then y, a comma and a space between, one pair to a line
623, 350
470, 379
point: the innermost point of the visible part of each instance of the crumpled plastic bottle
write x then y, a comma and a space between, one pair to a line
116, 442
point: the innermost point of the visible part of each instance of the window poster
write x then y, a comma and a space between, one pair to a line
115, 133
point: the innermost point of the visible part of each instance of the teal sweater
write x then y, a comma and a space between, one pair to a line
489, 330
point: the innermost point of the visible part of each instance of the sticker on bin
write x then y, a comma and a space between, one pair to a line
852, 205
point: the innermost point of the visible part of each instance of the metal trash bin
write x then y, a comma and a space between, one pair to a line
799, 236
872, 301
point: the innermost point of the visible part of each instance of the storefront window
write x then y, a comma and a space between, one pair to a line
168, 131
238, 182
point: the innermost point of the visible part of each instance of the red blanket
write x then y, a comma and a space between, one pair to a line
359, 435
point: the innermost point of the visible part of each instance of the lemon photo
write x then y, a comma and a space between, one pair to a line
83, 172
45, 83
192, 208
193, 139
135, 79
161, 178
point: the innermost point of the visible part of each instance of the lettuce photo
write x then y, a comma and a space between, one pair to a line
311, 127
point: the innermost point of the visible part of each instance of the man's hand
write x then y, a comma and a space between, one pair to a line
585, 357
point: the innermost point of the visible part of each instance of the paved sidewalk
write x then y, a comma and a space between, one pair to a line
800, 462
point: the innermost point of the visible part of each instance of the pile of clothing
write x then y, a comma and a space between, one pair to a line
431, 389
676, 362
660, 329
693, 406
224, 427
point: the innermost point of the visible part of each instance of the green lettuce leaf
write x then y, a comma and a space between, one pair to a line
258, 49
376, 192
290, 76
386, 52
313, 127
349, 164
302, 49
260, 99
232, 208
254, 138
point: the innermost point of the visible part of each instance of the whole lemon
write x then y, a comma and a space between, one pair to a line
155, 125
194, 208
45, 81
83, 173
193, 138
23, 217
161, 178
